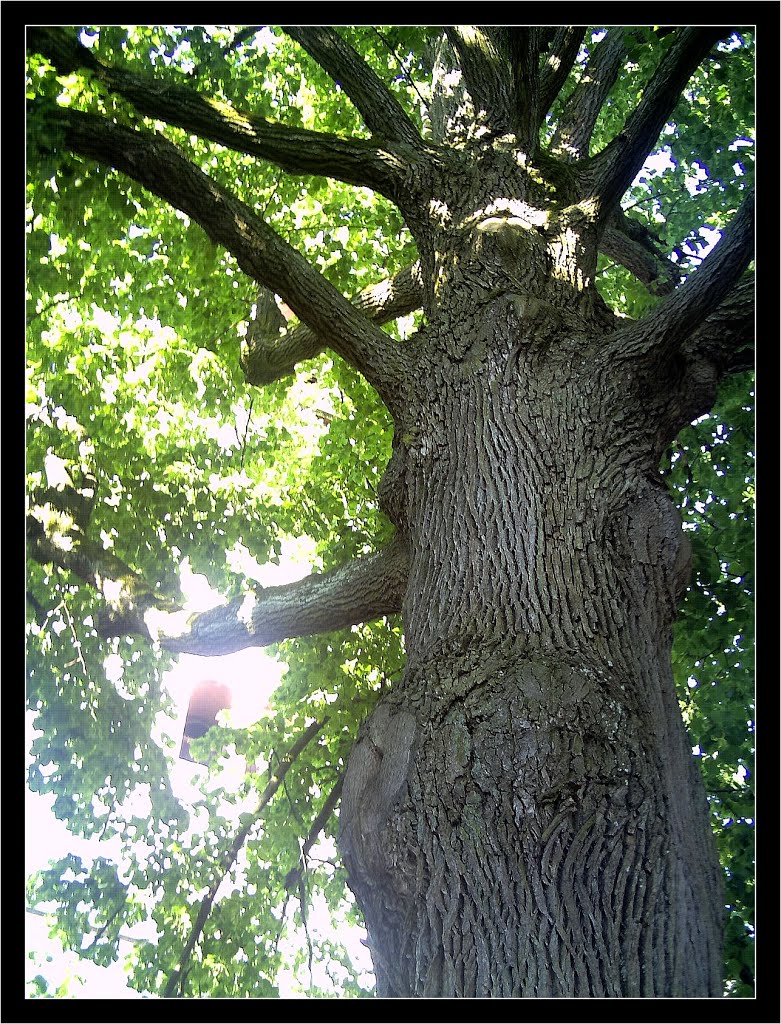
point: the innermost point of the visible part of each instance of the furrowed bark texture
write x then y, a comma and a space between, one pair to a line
521, 815
525, 798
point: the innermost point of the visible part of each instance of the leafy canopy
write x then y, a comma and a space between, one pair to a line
133, 334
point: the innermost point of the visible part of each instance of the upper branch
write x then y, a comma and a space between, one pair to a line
616, 166
672, 323
524, 43
487, 75
721, 344
633, 246
558, 64
295, 150
726, 337
381, 112
270, 358
158, 165
241, 37
575, 125
55, 536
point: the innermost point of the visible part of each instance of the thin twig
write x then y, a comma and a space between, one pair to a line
120, 937
48, 306
404, 71
604, 270
239, 38
246, 432
281, 922
76, 641
318, 825
272, 194
102, 930
176, 980
302, 901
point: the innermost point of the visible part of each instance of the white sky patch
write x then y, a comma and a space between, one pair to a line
712, 236
199, 596
246, 608
298, 558
252, 677
107, 323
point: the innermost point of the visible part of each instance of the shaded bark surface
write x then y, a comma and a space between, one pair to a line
514, 831
522, 815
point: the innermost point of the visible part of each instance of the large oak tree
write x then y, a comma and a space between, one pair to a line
520, 814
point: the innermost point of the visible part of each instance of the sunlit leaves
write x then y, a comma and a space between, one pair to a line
95, 904
93, 750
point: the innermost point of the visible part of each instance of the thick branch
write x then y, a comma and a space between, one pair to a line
158, 165
295, 150
487, 76
55, 539
527, 111
617, 165
633, 246
558, 64
573, 133
705, 289
722, 344
671, 324
726, 338
271, 359
381, 112
360, 591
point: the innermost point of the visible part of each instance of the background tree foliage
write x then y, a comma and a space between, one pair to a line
135, 388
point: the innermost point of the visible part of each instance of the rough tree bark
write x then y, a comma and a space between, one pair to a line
521, 814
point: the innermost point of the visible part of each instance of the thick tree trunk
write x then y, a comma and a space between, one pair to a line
511, 829
522, 815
